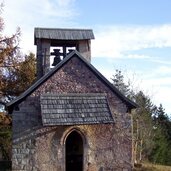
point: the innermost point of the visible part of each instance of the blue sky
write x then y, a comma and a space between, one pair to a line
131, 35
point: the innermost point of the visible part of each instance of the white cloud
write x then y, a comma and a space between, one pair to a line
162, 97
159, 90
137, 56
117, 41
28, 14
65, 2
36, 10
157, 76
165, 70
165, 62
157, 84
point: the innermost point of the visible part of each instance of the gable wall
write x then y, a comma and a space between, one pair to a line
107, 146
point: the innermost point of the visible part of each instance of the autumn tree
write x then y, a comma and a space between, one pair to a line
5, 135
9, 59
20, 77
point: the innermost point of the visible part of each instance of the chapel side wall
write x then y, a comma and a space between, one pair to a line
35, 147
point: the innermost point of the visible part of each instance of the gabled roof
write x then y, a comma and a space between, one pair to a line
74, 109
63, 34
74, 53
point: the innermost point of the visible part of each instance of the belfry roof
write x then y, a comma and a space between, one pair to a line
63, 34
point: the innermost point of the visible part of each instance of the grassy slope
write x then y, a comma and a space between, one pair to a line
153, 167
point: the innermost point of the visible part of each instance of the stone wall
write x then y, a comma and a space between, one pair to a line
84, 47
37, 148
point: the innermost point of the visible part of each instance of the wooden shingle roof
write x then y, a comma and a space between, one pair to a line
63, 34
74, 109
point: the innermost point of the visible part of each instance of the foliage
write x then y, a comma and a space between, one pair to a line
143, 126
24, 75
20, 77
162, 150
5, 136
17, 71
9, 57
118, 82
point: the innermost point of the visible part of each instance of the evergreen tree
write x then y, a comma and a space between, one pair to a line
162, 150
143, 126
119, 82
143, 131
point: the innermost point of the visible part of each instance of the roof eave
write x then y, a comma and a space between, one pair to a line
37, 30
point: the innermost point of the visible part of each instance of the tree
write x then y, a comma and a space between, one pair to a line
119, 83
143, 127
162, 150
9, 57
20, 78
5, 135
142, 117
17, 71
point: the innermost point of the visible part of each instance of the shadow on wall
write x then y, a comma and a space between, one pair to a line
32, 134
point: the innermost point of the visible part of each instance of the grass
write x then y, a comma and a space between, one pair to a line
152, 167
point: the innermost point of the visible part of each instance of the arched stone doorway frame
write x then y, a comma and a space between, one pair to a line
85, 146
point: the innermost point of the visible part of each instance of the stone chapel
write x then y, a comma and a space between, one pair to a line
72, 118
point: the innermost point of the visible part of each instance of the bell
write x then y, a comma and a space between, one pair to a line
56, 60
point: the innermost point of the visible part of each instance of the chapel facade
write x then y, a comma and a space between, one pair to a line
72, 118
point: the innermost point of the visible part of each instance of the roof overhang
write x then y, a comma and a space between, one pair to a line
62, 34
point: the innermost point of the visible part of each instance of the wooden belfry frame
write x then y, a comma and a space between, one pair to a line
45, 38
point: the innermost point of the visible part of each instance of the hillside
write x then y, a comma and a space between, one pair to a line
153, 167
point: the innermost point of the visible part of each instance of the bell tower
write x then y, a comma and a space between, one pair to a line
63, 41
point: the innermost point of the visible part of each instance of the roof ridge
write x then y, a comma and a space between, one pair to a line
129, 102
46, 28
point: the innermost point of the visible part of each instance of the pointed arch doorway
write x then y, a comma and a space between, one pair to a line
74, 152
